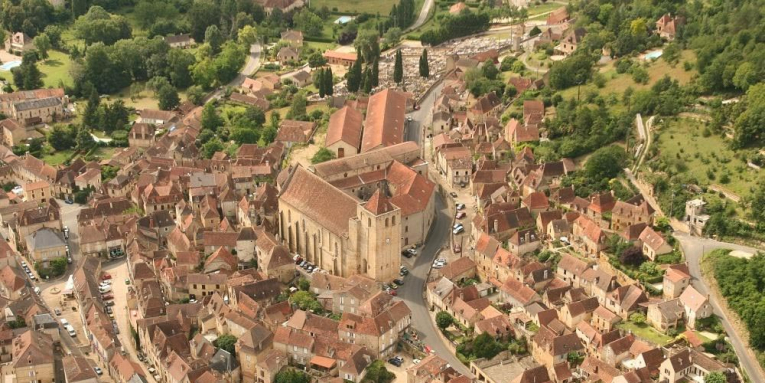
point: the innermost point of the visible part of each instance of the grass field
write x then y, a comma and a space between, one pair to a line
683, 141
618, 83
535, 10
56, 69
355, 6
646, 332
57, 158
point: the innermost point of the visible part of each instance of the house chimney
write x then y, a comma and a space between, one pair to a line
527, 236
496, 225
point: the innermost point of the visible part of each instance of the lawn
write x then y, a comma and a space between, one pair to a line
372, 7
543, 8
58, 157
618, 83
646, 332
55, 69
683, 141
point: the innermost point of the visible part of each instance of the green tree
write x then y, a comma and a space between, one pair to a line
638, 318
750, 124
424, 65
179, 63
99, 26
535, 31
398, 68
211, 147
304, 284
354, 77
329, 82
248, 35
490, 70
322, 155
367, 87
290, 375
316, 60
318, 80
378, 373
606, 162
305, 301
367, 44
225, 342
715, 377
444, 320
90, 115
214, 38
168, 97
42, 44
298, 107
393, 36
195, 94
61, 137
210, 118
485, 346
84, 139
27, 76
375, 72
308, 22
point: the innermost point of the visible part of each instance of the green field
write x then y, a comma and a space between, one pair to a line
56, 69
618, 83
543, 8
646, 332
355, 6
683, 141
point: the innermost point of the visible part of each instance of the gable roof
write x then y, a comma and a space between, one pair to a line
345, 126
384, 124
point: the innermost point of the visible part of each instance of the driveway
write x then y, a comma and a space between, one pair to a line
694, 249
413, 291
250, 66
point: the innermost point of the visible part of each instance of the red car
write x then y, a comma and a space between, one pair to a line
392, 292
107, 297
457, 248
106, 276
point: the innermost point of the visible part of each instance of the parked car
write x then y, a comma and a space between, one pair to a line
460, 215
412, 251
68, 201
438, 264
106, 276
457, 248
458, 230
37, 290
460, 206
392, 292
57, 311
107, 297
398, 281
406, 254
453, 194
457, 225
98, 371
396, 361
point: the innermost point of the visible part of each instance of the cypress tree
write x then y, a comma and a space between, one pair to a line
320, 82
368, 81
328, 82
424, 66
376, 72
394, 15
354, 76
90, 116
398, 69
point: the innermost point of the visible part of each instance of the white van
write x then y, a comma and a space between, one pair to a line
64, 322
71, 331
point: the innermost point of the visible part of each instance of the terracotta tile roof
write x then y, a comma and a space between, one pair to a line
676, 275
461, 266
632, 232
590, 229
536, 200
573, 265
32, 348
345, 125
309, 194
384, 124
598, 369
692, 299
652, 239
519, 291
379, 203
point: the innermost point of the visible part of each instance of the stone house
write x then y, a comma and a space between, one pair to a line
665, 315
696, 306
654, 244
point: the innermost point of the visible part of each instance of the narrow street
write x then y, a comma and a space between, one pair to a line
694, 249
413, 292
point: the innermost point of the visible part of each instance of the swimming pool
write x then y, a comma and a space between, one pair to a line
10, 65
343, 19
652, 55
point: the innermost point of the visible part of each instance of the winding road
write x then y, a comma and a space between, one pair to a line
694, 249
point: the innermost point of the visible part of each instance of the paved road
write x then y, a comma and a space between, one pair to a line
414, 289
423, 116
694, 249
250, 66
423, 17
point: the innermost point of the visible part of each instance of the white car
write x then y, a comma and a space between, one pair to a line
460, 206
457, 226
64, 322
458, 230
412, 251
105, 289
37, 290
438, 265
